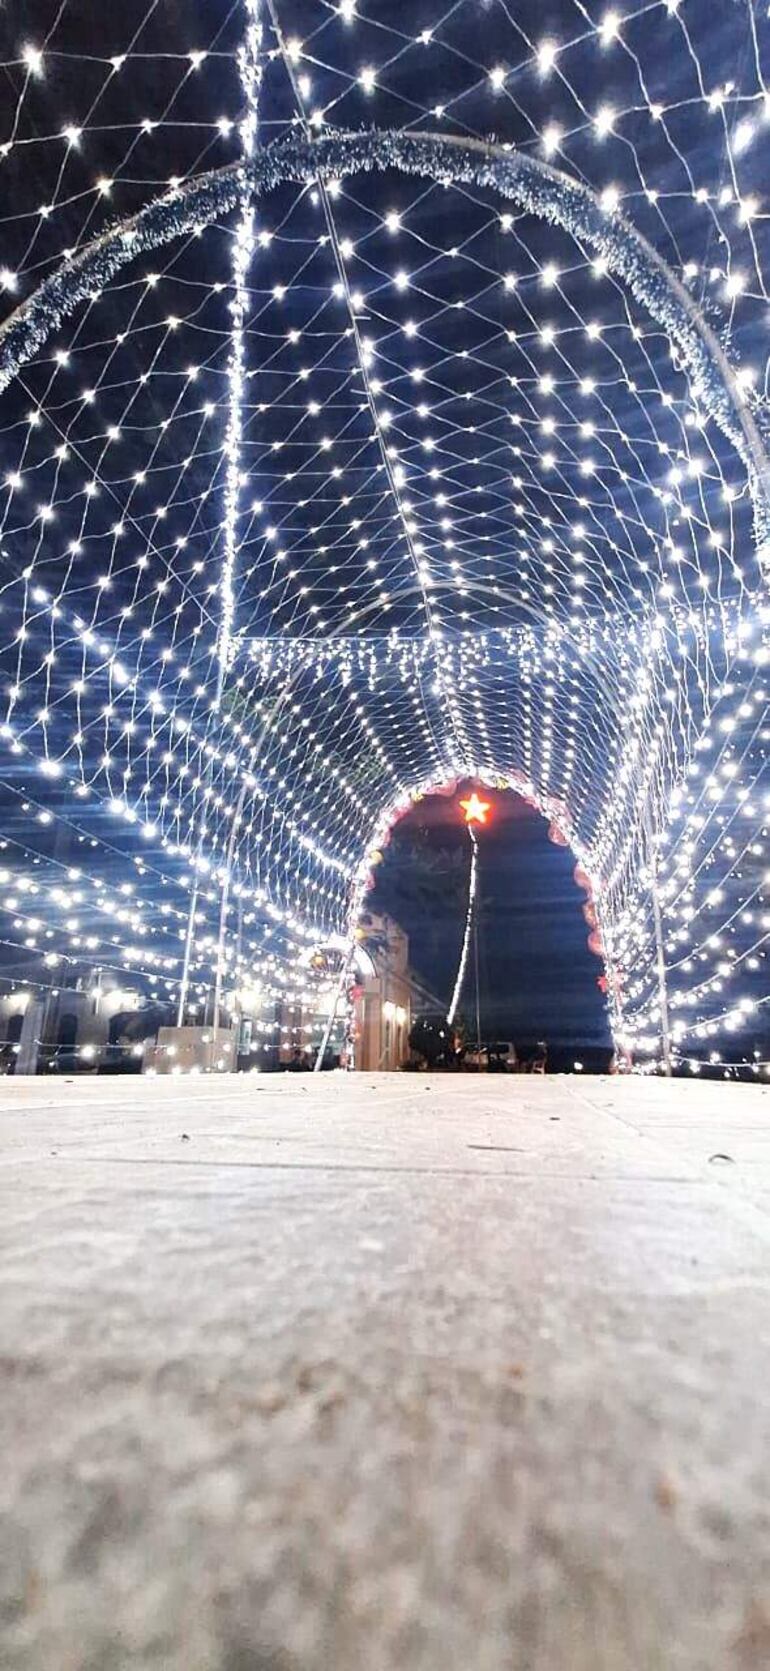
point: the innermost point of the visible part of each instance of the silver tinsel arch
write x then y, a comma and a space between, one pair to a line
521, 178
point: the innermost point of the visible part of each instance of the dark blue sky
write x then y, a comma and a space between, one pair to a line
538, 978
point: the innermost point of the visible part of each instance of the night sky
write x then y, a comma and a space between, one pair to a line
538, 978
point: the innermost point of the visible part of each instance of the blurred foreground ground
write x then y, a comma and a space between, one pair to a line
382, 1373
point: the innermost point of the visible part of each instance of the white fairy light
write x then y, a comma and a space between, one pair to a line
609, 28
552, 138
33, 60
604, 120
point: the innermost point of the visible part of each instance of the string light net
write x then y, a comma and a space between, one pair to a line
385, 402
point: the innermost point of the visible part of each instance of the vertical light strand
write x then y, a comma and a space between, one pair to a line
250, 65
452, 1011
458, 751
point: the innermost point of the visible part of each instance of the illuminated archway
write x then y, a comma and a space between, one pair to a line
642, 655
498, 814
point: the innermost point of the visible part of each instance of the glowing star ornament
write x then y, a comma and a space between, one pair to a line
475, 809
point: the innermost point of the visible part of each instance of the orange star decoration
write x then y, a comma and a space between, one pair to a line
475, 810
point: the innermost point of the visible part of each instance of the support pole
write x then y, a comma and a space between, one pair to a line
665, 1030
472, 834
223, 904
338, 991
660, 955
184, 984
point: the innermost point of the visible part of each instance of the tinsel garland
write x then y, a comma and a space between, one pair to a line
250, 63
86, 274
524, 179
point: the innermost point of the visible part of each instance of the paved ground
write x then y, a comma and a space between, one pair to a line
384, 1374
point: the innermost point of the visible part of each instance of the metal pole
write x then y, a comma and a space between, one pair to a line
185, 981
665, 1031
660, 955
338, 991
472, 834
223, 903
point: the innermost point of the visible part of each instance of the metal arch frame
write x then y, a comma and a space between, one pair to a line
534, 184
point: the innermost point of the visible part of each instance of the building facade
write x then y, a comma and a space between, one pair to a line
383, 1000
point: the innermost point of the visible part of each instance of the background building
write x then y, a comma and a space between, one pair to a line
388, 998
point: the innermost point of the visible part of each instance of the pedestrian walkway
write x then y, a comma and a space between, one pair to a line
384, 1373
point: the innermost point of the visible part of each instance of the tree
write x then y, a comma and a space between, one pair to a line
431, 1038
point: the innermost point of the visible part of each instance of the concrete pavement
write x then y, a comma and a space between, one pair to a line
384, 1373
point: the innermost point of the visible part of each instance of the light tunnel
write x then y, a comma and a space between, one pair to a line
305, 536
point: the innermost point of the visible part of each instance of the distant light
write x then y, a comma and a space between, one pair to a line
742, 137
604, 120
610, 199
546, 56
33, 58
609, 29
